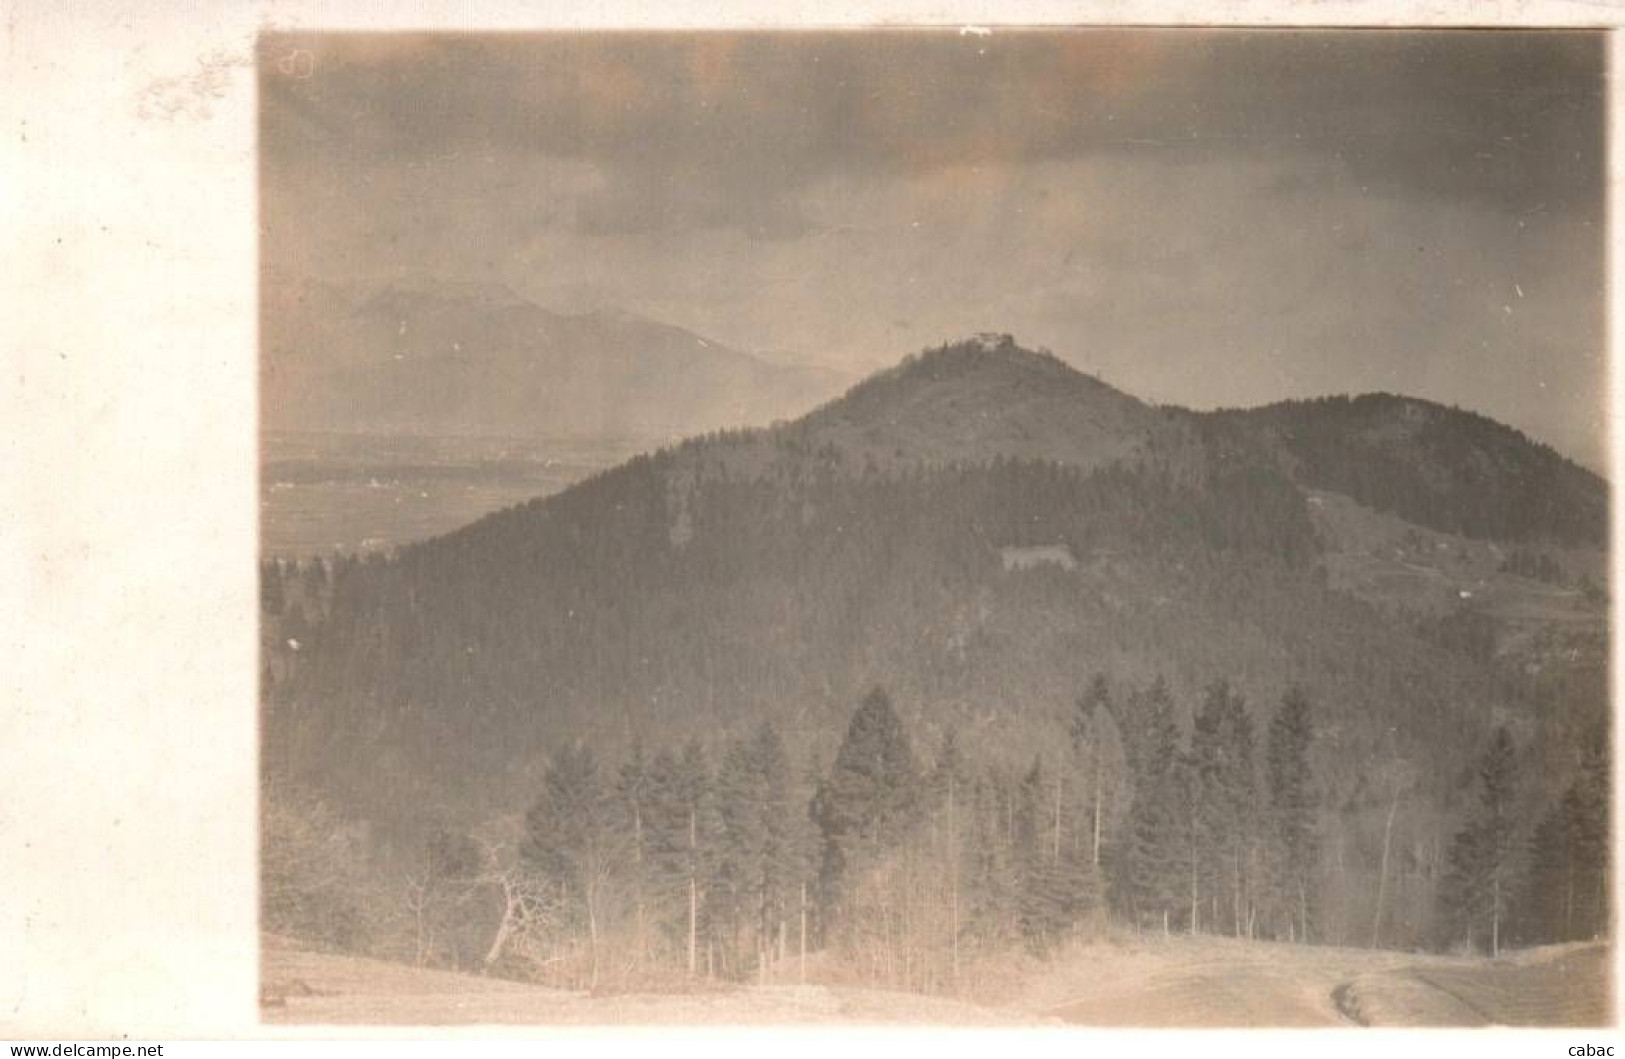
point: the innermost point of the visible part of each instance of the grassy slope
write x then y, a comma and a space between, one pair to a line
1217, 982
1178, 982
310, 988
1390, 561
1562, 985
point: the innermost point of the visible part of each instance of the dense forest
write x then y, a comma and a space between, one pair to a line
1445, 468
923, 868
812, 696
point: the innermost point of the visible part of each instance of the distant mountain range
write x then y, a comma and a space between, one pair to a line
421, 355
980, 530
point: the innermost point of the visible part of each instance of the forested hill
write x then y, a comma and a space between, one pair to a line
1444, 468
1440, 467
981, 532
984, 399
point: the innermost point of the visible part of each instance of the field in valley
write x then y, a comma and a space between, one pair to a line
1153, 983
324, 493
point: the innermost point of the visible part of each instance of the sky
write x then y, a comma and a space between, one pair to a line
1200, 217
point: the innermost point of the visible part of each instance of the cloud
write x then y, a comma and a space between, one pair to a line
1206, 216
729, 128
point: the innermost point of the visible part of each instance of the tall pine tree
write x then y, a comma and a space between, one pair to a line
868, 804
1101, 760
1151, 870
1566, 893
572, 843
1057, 885
1224, 803
681, 837
1478, 887
735, 905
1294, 851
631, 808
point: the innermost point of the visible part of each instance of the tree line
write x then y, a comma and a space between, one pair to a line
923, 868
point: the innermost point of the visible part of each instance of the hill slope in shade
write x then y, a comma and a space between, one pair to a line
1443, 467
416, 355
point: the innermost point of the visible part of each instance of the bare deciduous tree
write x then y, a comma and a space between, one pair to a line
529, 904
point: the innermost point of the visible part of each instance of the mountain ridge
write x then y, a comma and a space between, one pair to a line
413, 353
987, 397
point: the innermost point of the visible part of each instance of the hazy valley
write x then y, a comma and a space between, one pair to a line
332, 493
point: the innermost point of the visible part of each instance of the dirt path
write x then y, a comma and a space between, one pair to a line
1214, 983
1567, 985
1484, 1017
1253, 992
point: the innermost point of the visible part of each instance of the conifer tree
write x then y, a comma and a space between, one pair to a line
1478, 887
698, 789
1154, 857
1101, 758
762, 851
563, 823
1040, 899
1224, 799
1546, 911
781, 868
868, 803
1565, 897
631, 811
736, 898
572, 844
808, 926
991, 879
1294, 849
949, 791
1057, 885
679, 838
1591, 799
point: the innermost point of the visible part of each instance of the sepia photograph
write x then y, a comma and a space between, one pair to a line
975, 526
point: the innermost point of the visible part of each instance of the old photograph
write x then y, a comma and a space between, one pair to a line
1072, 527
